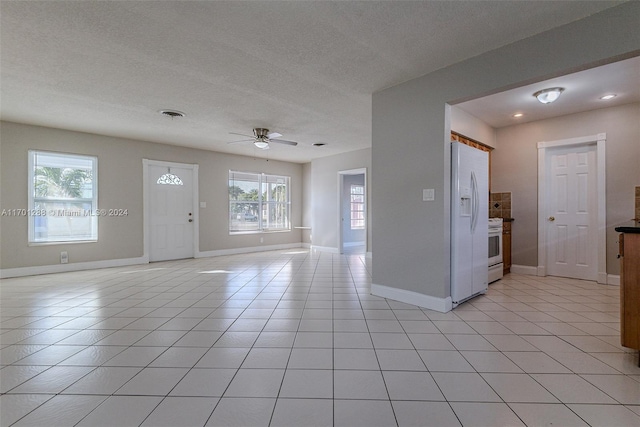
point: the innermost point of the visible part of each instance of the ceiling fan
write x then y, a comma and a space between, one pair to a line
261, 138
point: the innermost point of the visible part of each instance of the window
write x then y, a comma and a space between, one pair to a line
169, 179
62, 197
258, 202
357, 207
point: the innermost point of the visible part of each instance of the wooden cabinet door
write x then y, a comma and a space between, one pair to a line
630, 290
506, 247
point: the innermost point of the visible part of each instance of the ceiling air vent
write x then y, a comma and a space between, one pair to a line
172, 113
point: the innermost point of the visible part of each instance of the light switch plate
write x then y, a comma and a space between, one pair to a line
203, 204
428, 194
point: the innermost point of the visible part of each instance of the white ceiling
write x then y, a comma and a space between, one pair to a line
582, 93
304, 69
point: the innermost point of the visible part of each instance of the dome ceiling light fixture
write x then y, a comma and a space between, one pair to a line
547, 96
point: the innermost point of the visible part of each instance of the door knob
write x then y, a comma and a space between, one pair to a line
190, 220
552, 218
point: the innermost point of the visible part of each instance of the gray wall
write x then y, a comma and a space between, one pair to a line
120, 186
410, 144
515, 169
324, 176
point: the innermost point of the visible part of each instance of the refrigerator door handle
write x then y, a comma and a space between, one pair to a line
474, 202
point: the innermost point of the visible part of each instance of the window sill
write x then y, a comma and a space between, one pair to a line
70, 242
237, 233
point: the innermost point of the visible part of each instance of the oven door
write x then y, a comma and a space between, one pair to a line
495, 246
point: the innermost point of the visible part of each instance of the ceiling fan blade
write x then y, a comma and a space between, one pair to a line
283, 141
242, 140
241, 134
274, 135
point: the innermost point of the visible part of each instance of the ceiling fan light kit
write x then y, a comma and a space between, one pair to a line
262, 137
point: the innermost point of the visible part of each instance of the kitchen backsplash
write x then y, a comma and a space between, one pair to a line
500, 204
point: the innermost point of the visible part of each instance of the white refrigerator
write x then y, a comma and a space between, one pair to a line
469, 222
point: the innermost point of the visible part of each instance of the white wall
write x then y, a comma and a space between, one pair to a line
325, 203
472, 127
120, 186
515, 169
411, 150
307, 212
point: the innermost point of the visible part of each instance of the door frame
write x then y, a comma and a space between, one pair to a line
601, 211
146, 207
341, 175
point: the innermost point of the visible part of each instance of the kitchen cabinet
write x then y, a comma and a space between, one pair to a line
506, 246
629, 253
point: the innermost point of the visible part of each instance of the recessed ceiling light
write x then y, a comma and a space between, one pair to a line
547, 96
518, 115
609, 96
172, 113
319, 144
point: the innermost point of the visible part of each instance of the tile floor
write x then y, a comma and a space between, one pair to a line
289, 338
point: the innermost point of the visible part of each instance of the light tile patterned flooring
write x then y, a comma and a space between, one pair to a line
289, 338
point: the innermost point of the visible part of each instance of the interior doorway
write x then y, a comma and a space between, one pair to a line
571, 208
171, 217
352, 215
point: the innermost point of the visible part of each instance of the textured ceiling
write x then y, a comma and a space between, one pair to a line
304, 69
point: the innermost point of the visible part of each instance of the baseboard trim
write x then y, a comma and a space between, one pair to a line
65, 268
305, 245
249, 249
603, 278
442, 305
325, 249
613, 279
353, 244
525, 269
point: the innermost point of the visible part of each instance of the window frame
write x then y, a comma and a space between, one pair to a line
353, 203
32, 200
263, 206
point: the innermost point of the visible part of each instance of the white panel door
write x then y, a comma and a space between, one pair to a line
170, 212
572, 233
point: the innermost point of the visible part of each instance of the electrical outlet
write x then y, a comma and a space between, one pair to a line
64, 257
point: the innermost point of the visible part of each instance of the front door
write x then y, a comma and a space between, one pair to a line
572, 235
171, 213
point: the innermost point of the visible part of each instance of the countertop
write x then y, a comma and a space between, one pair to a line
632, 226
